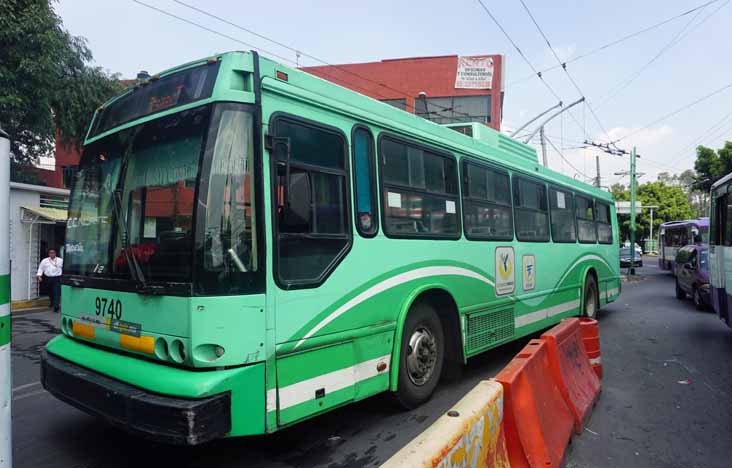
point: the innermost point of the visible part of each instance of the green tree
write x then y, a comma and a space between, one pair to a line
707, 167
47, 80
672, 203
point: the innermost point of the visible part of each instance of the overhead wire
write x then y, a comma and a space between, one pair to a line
226, 36
537, 73
708, 133
320, 60
675, 112
675, 40
616, 41
567, 160
564, 67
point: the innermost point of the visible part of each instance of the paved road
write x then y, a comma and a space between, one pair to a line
650, 341
648, 415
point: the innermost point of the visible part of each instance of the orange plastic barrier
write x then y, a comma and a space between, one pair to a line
571, 370
591, 339
536, 419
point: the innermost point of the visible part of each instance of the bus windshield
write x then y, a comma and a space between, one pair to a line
134, 196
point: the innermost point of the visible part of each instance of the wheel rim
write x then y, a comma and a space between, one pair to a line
590, 303
421, 356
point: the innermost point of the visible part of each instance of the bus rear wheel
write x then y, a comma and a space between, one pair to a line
422, 356
591, 304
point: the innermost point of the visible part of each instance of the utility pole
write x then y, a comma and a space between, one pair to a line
610, 148
597, 166
631, 270
651, 228
6, 386
543, 146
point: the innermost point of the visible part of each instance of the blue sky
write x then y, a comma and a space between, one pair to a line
126, 37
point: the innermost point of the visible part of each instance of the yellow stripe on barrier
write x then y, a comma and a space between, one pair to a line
469, 435
83, 330
144, 344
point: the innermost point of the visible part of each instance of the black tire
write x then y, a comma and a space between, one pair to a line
411, 390
696, 297
591, 298
680, 293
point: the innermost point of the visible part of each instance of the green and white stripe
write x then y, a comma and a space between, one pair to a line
541, 314
6, 393
300, 392
392, 282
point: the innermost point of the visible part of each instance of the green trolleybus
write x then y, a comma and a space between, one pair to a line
249, 246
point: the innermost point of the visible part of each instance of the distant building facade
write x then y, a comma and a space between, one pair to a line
444, 89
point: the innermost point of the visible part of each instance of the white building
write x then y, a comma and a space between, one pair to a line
37, 223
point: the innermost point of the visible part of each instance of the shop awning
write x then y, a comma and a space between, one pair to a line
36, 214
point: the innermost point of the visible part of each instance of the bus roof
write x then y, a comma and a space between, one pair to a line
700, 222
722, 181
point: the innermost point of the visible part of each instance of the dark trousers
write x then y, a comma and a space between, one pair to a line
54, 290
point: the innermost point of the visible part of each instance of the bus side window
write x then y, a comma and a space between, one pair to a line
713, 221
364, 182
532, 213
561, 205
604, 223
419, 191
728, 220
310, 195
486, 203
585, 219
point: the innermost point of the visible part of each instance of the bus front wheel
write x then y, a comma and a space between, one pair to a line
422, 356
591, 298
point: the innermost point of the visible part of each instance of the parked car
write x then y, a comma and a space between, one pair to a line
638, 250
625, 258
692, 275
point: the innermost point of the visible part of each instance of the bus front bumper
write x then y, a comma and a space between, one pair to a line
180, 421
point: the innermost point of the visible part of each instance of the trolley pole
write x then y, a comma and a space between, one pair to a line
6, 392
543, 146
598, 180
631, 270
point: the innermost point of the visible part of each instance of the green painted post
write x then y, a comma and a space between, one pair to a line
6, 392
631, 270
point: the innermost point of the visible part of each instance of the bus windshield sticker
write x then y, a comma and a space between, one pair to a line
394, 200
450, 206
560, 200
119, 326
504, 262
529, 272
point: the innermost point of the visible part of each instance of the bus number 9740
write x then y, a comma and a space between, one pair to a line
108, 307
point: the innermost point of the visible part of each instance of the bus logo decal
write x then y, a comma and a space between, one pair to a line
528, 272
504, 260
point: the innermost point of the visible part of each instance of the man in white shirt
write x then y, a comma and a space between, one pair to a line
51, 268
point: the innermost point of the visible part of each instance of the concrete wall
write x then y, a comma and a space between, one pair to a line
24, 244
20, 274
